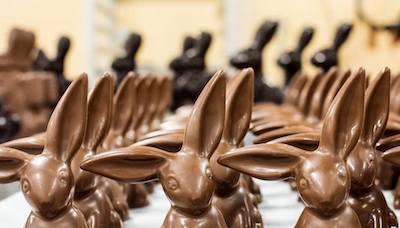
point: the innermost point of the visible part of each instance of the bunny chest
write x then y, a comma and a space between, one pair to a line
96, 207
212, 218
233, 207
372, 207
310, 219
71, 218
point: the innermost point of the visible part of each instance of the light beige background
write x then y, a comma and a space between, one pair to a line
164, 23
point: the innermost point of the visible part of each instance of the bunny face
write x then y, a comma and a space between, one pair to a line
323, 182
325, 59
290, 61
188, 182
58, 180
362, 164
247, 58
84, 181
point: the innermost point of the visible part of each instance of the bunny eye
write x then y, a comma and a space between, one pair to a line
341, 170
63, 177
26, 187
371, 157
172, 183
303, 183
209, 173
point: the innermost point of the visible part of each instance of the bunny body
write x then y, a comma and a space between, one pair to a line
185, 176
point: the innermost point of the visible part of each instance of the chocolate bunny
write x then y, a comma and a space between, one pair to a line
322, 177
190, 70
46, 179
252, 57
94, 203
365, 197
56, 65
327, 58
231, 195
126, 63
291, 61
124, 99
190, 193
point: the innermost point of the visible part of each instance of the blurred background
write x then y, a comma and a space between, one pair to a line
98, 28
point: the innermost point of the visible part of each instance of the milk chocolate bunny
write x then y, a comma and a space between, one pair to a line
46, 179
231, 195
185, 176
365, 198
322, 177
93, 202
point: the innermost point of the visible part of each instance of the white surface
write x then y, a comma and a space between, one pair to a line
280, 208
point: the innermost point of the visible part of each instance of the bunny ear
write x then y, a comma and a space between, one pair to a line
292, 86
318, 97
265, 161
67, 124
123, 101
32, 144
376, 108
128, 164
395, 96
264, 35
305, 39
341, 36
392, 156
99, 112
11, 162
204, 128
307, 141
164, 95
239, 104
171, 141
203, 43
307, 93
343, 123
155, 98
337, 84
188, 43
296, 91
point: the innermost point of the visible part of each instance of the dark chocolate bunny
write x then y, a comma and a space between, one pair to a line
252, 57
122, 65
291, 61
328, 57
55, 65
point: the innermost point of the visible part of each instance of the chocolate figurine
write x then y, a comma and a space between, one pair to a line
93, 202
291, 61
190, 193
327, 58
322, 178
46, 179
190, 71
122, 65
252, 57
19, 54
56, 65
365, 197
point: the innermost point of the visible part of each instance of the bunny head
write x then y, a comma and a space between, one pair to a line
328, 57
46, 179
322, 177
193, 56
291, 61
252, 56
99, 117
185, 176
122, 112
239, 103
363, 160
